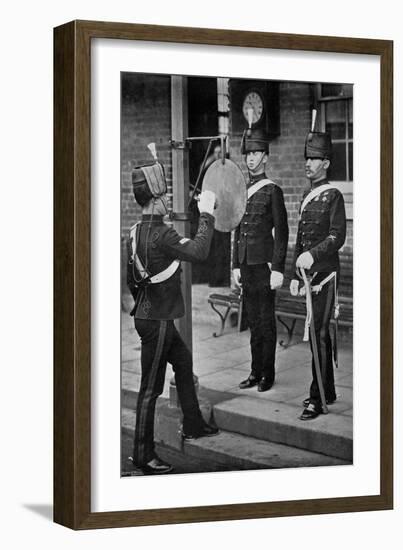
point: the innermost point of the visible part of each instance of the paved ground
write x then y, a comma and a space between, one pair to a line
221, 363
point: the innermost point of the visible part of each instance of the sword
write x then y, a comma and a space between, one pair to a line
313, 341
335, 350
336, 325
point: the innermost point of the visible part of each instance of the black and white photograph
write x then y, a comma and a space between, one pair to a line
201, 285
236, 274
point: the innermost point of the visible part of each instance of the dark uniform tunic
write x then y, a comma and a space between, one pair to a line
322, 232
255, 247
156, 307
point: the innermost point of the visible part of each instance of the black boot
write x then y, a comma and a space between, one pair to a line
264, 384
250, 382
205, 431
313, 410
156, 466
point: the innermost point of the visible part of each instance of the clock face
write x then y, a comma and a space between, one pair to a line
254, 101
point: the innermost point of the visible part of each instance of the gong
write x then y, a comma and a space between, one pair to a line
227, 181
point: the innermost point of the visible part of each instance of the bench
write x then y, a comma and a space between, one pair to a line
232, 303
287, 306
294, 308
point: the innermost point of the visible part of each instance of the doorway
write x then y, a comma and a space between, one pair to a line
203, 121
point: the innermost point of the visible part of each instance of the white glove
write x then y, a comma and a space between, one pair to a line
305, 260
237, 276
276, 280
294, 287
206, 202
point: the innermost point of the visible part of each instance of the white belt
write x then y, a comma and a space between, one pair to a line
317, 289
158, 277
164, 275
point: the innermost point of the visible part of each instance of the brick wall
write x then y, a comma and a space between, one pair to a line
146, 116
286, 160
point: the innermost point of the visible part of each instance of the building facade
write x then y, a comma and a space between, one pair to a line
216, 106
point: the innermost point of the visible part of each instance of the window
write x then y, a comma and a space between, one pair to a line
335, 103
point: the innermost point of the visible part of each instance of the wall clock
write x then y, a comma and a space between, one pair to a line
253, 100
260, 95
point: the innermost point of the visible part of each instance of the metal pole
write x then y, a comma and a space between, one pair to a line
180, 191
196, 186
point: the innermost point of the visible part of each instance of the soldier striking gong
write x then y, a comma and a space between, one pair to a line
153, 275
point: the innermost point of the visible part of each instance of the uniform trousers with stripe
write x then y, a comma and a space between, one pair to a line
161, 343
322, 306
259, 304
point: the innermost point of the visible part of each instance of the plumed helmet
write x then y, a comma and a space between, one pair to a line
318, 145
254, 140
148, 181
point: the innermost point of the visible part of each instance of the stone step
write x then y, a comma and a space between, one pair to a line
240, 452
274, 421
328, 434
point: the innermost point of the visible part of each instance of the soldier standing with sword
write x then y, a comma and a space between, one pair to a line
321, 233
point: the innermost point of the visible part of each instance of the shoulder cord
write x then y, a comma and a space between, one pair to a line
146, 259
146, 247
148, 236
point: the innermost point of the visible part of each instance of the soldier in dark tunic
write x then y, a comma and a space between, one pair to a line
153, 275
260, 247
321, 233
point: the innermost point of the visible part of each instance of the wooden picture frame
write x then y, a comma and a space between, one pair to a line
72, 272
